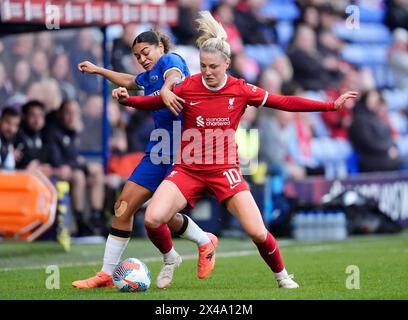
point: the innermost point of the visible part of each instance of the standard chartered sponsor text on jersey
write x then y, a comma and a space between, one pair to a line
217, 122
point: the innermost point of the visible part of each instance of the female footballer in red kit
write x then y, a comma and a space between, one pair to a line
213, 105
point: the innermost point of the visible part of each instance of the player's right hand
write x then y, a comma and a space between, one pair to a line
87, 67
121, 94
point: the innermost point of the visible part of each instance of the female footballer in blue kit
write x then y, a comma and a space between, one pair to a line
163, 70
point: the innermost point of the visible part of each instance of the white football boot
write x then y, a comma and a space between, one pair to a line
287, 282
166, 273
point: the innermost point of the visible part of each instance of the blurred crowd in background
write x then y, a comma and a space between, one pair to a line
319, 49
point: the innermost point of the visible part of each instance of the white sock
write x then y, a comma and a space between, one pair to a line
113, 252
195, 233
170, 256
281, 275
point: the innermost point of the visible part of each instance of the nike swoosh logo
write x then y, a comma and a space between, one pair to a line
271, 252
194, 103
132, 284
232, 187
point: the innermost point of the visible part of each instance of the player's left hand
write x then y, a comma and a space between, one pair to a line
172, 101
340, 101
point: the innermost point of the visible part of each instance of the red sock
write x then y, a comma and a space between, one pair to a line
269, 251
160, 237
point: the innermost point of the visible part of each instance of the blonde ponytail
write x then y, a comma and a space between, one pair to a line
213, 36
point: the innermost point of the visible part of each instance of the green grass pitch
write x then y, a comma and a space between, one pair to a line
240, 273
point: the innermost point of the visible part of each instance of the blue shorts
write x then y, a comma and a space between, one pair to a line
150, 175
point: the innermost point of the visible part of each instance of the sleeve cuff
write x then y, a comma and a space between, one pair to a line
174, 68
331, 107
264, 99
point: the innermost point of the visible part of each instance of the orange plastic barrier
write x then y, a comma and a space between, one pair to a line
28, 202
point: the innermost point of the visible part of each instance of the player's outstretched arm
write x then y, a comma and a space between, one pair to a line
118, 78
138, 102
299, 104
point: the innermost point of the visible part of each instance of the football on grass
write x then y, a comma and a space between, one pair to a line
131, 275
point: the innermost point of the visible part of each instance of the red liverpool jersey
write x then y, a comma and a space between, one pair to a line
210, 119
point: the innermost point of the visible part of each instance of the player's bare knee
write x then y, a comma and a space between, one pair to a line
258, 236
152, 221
120, 208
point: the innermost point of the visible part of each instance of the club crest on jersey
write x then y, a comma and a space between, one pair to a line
231, 103
153, 79
200, 121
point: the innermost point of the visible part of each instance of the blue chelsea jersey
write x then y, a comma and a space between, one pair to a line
152, 82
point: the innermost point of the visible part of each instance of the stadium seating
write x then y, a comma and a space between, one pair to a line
263, 54
367, 33
333, 154
371, 13
281, 10
396, 99
402, 144
365, 54
285, 32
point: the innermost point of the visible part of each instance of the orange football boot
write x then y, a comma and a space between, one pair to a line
206, 257
101, 280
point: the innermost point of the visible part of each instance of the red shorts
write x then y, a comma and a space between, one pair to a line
193, 184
